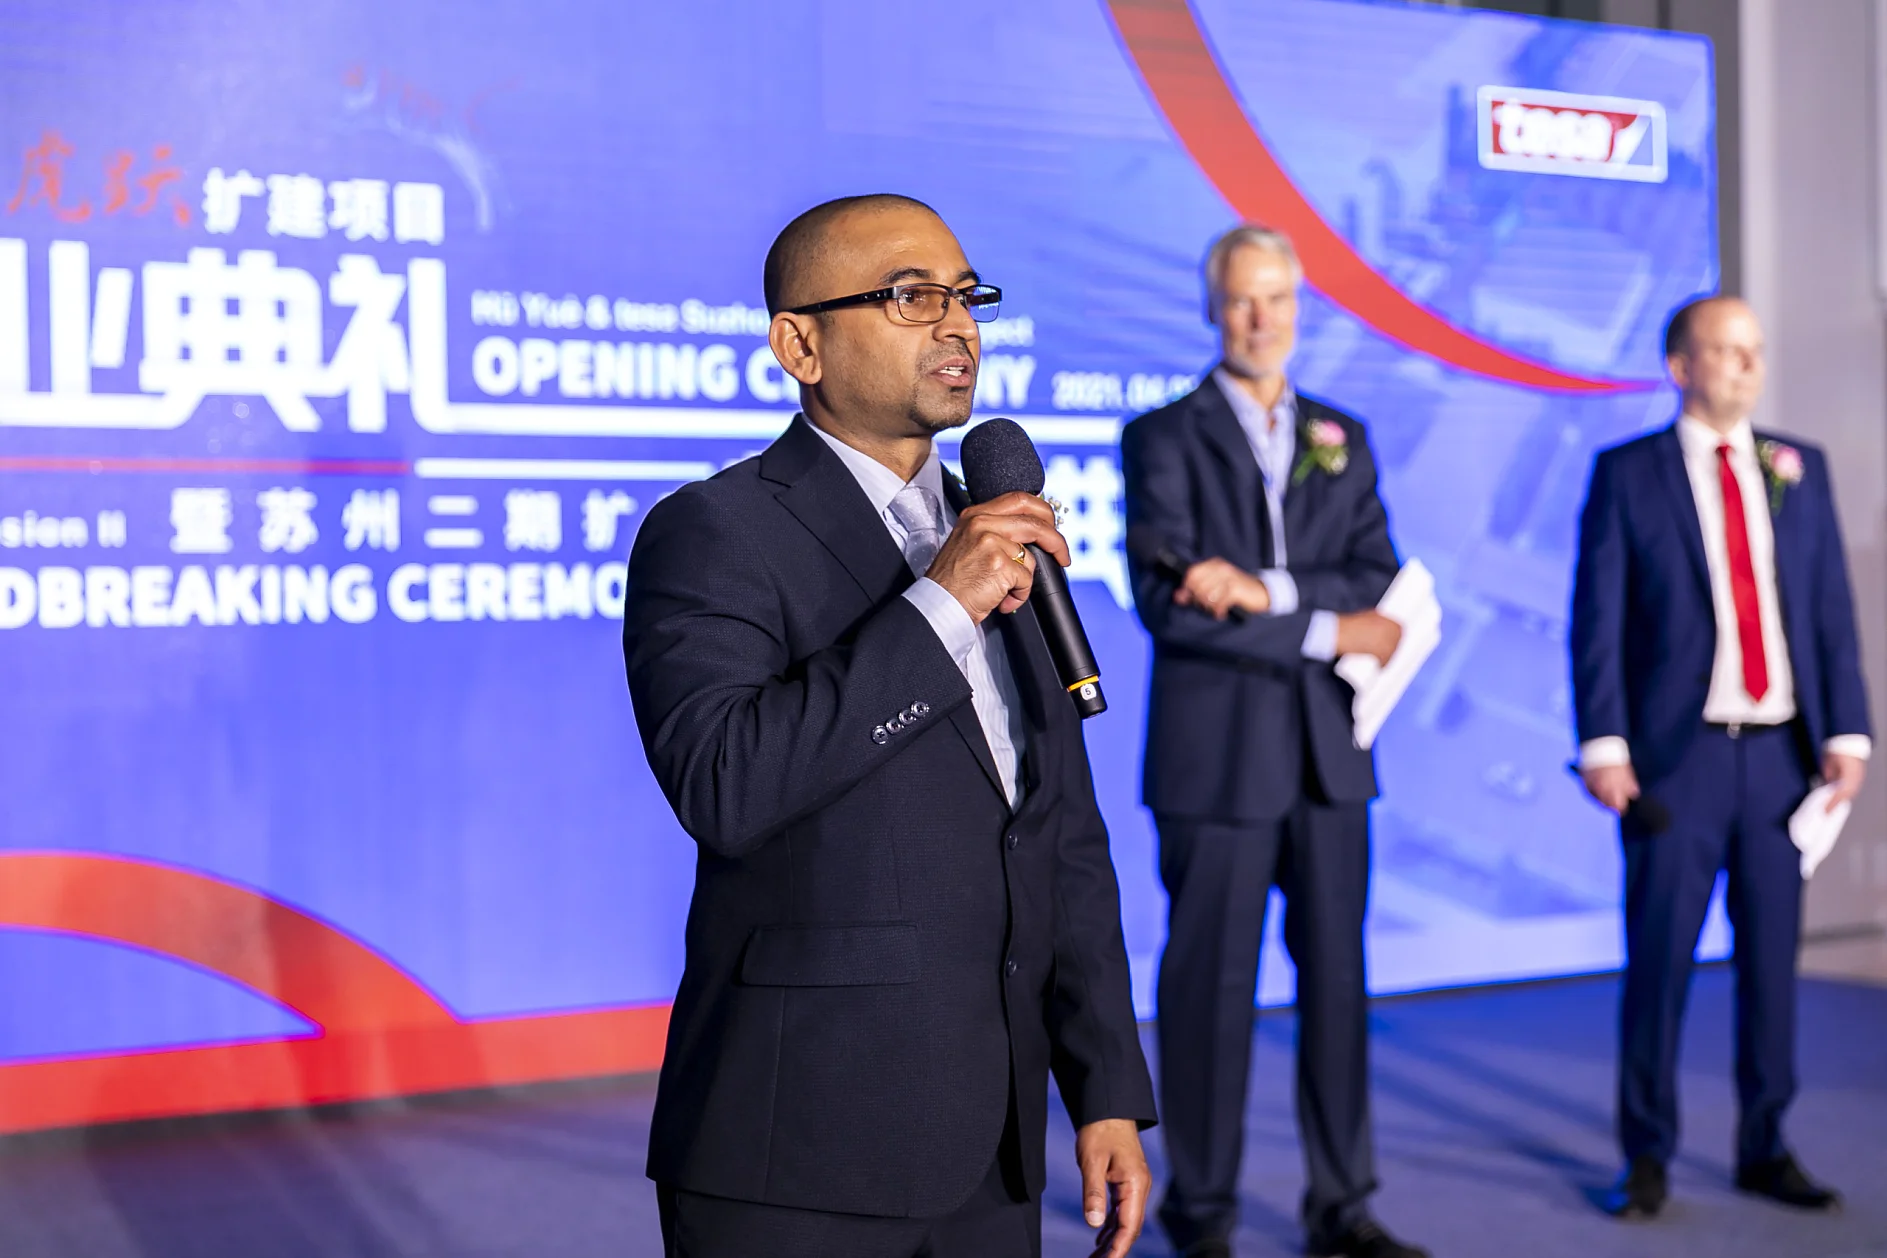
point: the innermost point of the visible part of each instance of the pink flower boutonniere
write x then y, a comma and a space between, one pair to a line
1326, 448
1782, 468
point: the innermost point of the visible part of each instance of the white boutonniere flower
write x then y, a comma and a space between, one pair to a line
1326, 449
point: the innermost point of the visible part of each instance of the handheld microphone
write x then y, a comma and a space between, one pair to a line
1647, 813
998, 459
1146, 545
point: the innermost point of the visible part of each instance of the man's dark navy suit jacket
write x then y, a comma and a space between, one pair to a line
1235, 708
1644, 629
877, 945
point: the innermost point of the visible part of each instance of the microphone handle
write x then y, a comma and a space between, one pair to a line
1067, 641
1173, 568
1650, 814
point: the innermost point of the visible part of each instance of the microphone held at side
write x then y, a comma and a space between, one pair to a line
1147, 546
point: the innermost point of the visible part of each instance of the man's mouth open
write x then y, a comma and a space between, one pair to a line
957, 371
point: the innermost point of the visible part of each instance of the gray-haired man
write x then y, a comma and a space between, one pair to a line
1252, 773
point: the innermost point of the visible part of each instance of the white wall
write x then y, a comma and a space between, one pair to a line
1810, 241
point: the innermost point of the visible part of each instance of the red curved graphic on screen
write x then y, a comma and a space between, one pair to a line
323, 974
381, 1033
1164, 42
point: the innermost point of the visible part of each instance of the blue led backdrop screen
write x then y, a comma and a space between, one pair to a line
343, 347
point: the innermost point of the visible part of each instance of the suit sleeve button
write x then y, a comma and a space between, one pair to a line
921, 708
879, 736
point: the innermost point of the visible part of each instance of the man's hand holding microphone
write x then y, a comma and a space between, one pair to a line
1613, 785
985, 563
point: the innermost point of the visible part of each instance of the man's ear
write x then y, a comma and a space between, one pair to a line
1679, 367
794, 340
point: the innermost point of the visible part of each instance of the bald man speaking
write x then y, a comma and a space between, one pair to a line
905, 916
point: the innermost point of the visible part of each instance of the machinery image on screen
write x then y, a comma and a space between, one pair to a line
336, 376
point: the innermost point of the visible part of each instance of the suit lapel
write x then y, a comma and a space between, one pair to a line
1785, 526
1026, 649
1218, 426
1683, 502
824, 496
1037, 686
1302, 498
954, 493
1023, 639
963, 717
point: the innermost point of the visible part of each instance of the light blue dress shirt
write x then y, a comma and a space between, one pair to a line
1272, 435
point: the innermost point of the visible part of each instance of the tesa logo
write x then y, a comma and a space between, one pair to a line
1560, 133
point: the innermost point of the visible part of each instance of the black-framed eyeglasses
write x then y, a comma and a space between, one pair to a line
920, 303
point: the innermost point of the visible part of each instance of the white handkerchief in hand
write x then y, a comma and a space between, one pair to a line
1813, 828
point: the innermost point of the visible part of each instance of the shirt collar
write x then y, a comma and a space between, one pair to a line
1700, 440
1252, 415
879, 482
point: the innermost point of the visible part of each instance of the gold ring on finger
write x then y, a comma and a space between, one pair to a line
1021, 556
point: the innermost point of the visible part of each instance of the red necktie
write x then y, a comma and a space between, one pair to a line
1749, 624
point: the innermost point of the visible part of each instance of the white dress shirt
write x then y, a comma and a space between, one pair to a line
1273, 438
1727, 702
977, 649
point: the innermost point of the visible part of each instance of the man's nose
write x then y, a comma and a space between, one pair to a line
957, 322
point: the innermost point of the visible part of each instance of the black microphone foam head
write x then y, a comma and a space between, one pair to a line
998, 459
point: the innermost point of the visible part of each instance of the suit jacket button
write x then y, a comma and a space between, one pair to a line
880, 737
1010, 968
1013, 841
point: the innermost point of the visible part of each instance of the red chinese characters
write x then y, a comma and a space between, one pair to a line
43, 182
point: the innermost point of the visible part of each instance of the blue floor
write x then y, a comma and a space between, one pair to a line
1493, 1125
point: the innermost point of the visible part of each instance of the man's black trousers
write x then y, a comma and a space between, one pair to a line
1217, 876
1000, 1220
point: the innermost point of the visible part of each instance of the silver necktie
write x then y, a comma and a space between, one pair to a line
922, 517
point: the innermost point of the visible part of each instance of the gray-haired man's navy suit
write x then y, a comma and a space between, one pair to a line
1254, 778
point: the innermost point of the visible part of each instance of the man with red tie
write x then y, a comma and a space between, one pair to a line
1715, 671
